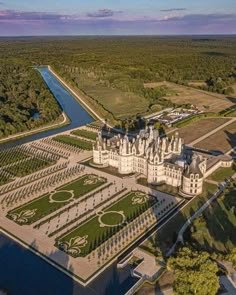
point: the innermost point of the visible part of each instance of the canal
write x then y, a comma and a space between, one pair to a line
24, 273
76, 113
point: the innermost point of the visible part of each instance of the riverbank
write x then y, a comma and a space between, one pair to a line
86, 102
64, 121
76, 114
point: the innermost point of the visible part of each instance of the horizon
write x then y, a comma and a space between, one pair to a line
103, 17
107, 36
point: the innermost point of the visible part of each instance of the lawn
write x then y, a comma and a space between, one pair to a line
46, 204
79, 143
85, 134
165, 237
223, 173
88, 236
121, 103
214, 231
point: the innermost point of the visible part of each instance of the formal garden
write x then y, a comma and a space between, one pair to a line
76, 142
84, 133
11, 156
86, 237
23, 160
49, 203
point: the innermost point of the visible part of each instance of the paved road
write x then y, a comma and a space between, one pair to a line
196, 214
228, 285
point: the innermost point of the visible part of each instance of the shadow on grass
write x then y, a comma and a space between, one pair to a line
214, 231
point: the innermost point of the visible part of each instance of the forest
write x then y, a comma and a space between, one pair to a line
111, 71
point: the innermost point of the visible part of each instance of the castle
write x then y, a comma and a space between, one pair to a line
159, 159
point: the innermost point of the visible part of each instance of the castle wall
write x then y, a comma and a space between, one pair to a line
192, 186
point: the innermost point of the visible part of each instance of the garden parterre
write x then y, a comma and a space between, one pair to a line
87, 237
46, 204
76, 142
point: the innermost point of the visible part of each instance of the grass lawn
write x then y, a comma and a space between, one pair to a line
46, 204
88, 236
223, 173
165, 237
85, 133
214, 230
82, 144
121, 103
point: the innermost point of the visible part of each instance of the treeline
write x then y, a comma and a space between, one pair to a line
25, 100
126, 63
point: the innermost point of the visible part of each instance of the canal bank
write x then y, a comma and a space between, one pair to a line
76, 113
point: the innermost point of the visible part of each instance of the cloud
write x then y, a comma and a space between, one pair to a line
12, 15
173, 9
200, 18
103, 13
106, 21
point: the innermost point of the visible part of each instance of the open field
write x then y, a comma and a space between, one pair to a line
214, 231
122, 104
197, 83
223, 140
45, 205
206, 101
105, 224
199, 128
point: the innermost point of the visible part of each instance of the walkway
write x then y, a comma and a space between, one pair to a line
196, 214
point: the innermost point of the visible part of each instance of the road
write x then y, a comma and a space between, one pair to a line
196, 214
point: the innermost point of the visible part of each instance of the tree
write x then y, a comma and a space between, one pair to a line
195, 273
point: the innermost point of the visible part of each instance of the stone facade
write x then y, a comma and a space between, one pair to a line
160, 160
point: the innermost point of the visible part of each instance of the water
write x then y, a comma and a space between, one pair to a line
76, 113
24, 273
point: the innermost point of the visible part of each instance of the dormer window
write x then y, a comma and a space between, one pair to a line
197, 176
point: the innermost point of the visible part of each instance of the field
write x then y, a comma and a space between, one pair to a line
223, 140
206, 101
223, 173
45, 205
199, 128
83, 239
121, 103
76, 142
85, 134
214, 231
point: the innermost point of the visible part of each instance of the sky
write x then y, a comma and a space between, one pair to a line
117, 17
